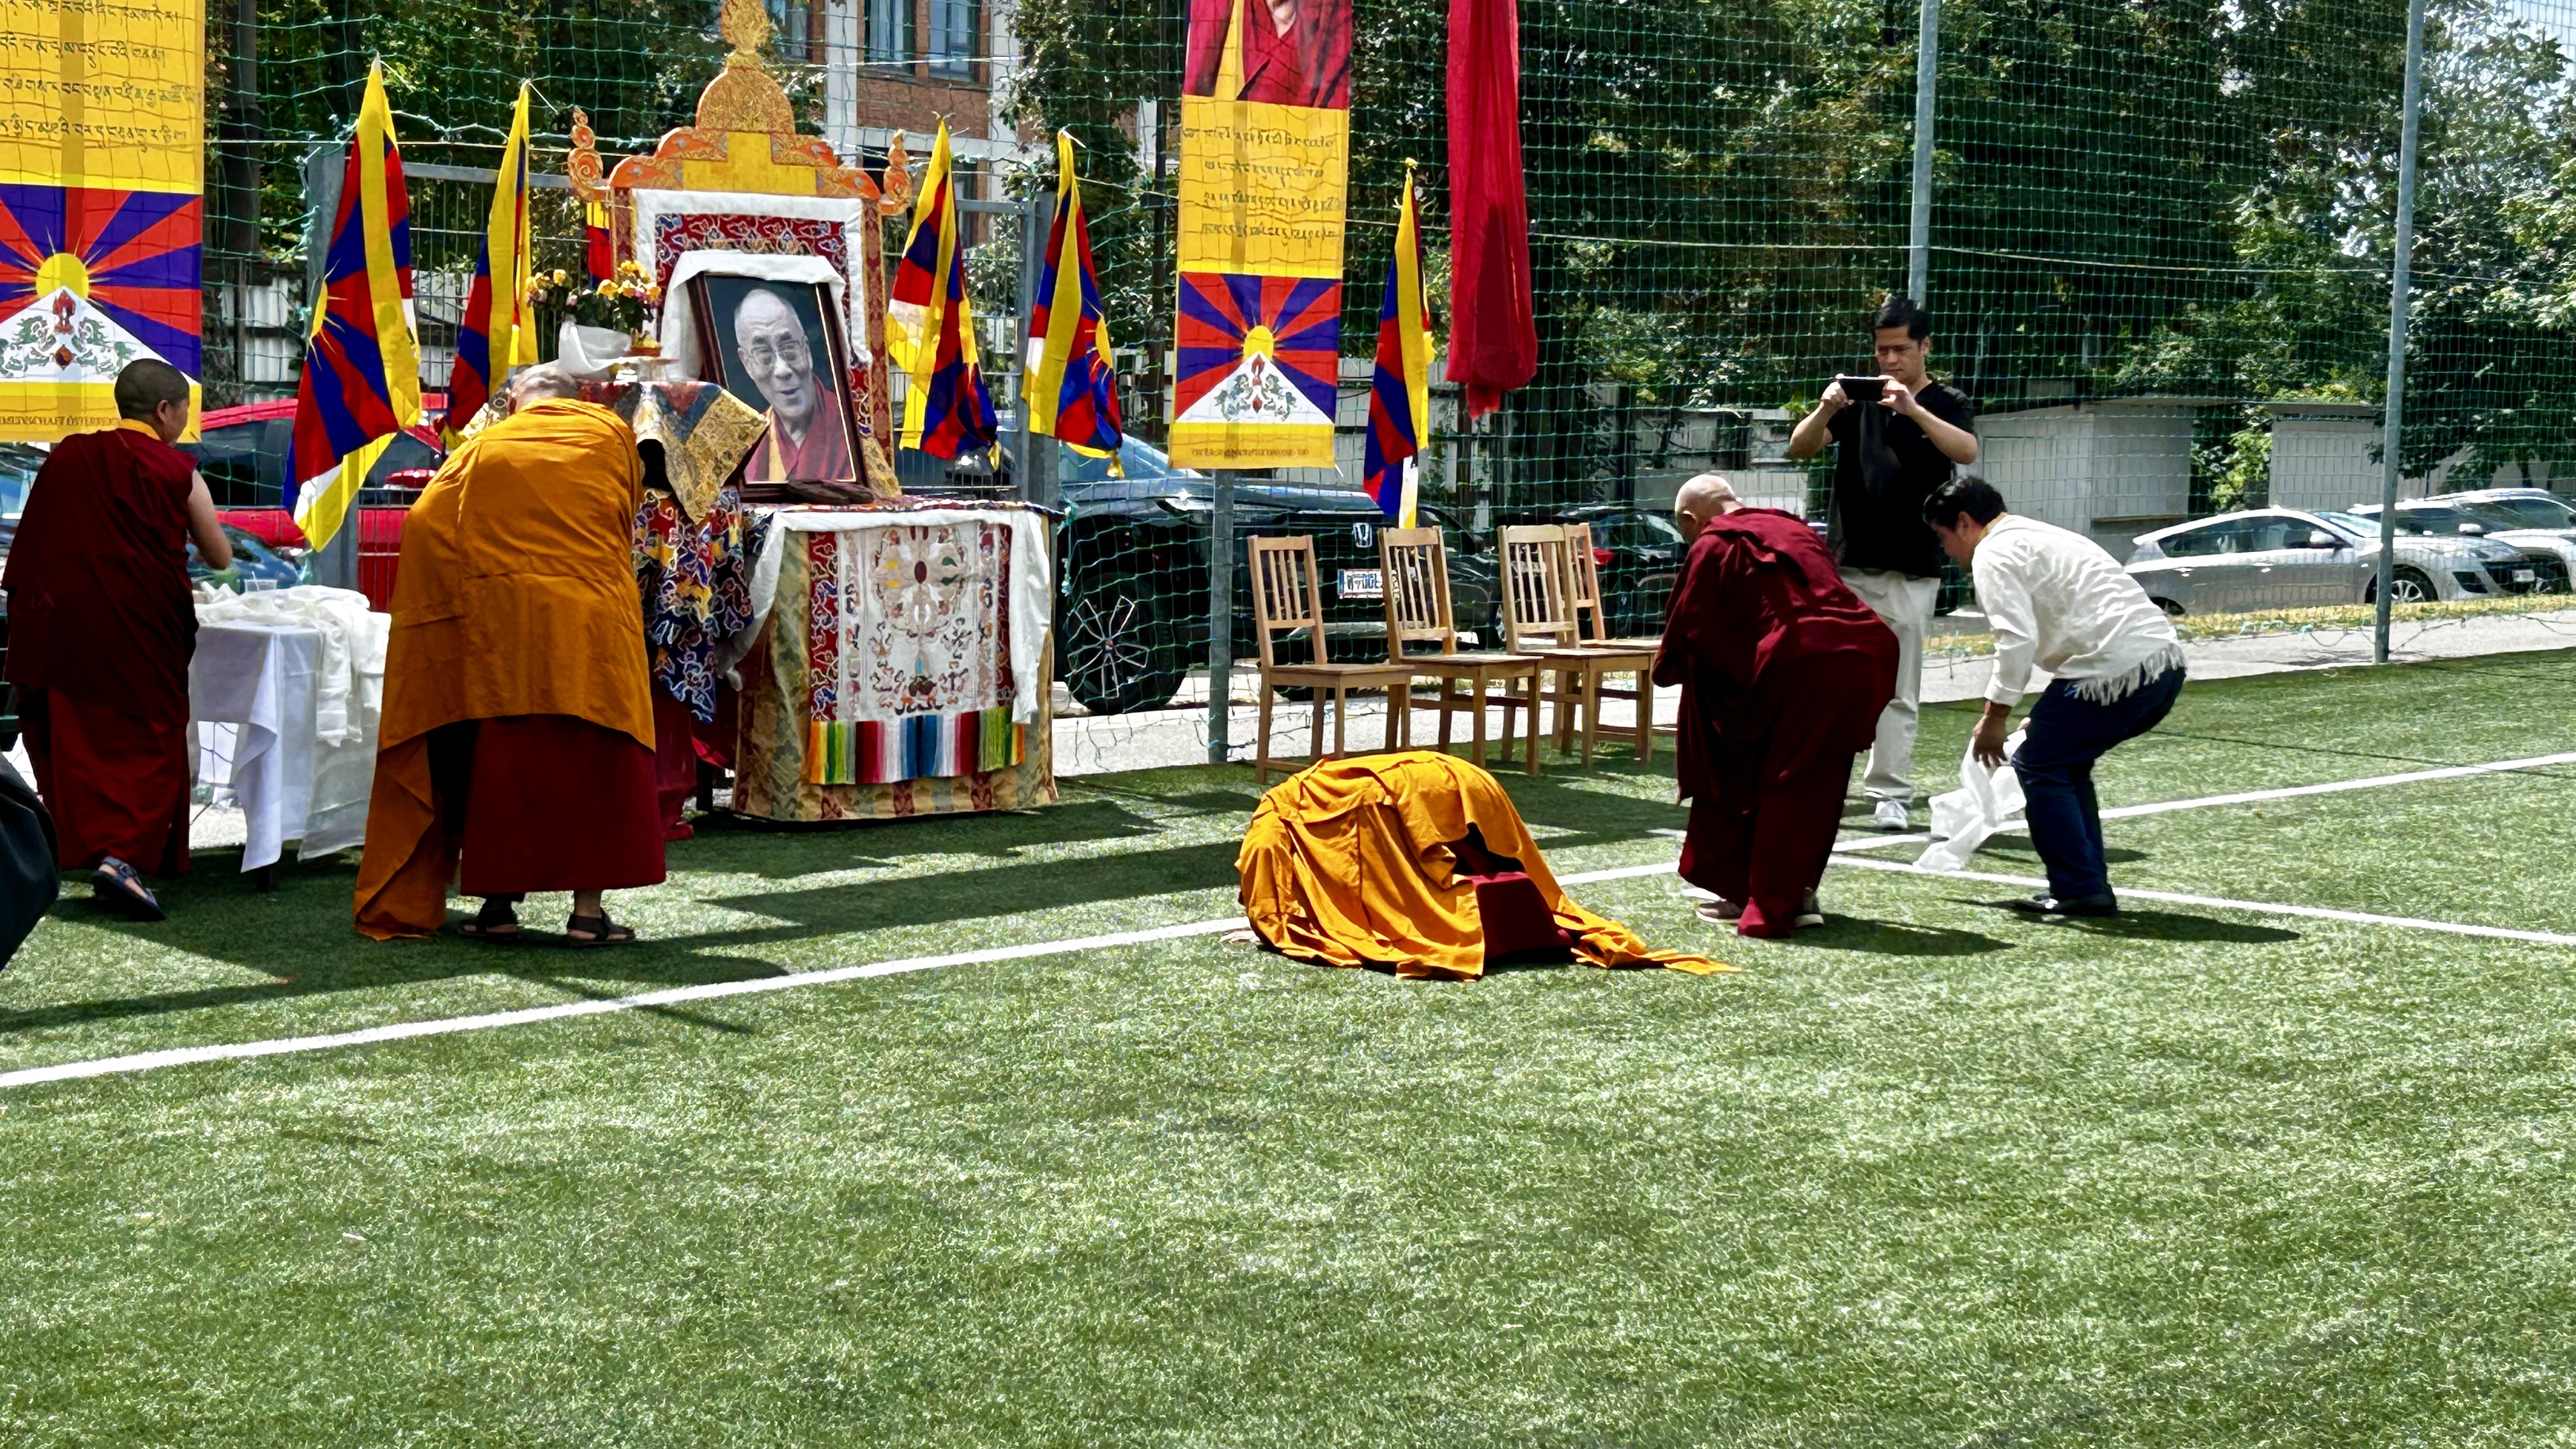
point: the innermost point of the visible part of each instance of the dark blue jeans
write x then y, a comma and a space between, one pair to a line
2055, 764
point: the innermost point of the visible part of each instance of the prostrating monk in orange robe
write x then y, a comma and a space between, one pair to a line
1416, 861
1783, 672
517, 730
101, 630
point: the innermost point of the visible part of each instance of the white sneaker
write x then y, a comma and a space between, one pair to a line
1811, 912
1721, 912
1890, 815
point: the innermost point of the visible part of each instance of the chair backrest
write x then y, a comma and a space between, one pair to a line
1537, 612
1285, 594
1583, 579
1414, 563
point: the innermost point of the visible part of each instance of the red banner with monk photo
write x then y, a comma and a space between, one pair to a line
1265, 169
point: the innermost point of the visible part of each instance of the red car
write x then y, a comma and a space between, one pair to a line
242, 453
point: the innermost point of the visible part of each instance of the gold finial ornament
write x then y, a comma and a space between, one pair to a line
582, 166
743, 96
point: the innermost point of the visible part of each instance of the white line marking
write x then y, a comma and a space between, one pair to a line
2222, 903
709, 991
717, 990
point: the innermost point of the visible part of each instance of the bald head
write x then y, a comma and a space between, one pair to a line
539, 383
1701, 499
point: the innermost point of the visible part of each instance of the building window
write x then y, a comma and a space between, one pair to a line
890, 30
952, 38
794, 32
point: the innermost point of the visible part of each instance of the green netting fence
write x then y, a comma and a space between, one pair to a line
2158, 259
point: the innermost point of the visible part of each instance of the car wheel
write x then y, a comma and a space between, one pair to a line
2172, 609
2405, 586
1119, 654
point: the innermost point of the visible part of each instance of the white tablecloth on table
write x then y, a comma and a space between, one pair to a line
254, 691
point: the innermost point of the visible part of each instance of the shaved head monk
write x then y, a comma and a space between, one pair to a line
1783, 672
101, 628
517, 733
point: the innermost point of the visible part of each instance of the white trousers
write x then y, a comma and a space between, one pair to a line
1904, 603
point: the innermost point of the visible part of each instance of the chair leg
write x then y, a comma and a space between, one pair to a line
1399, 726
1445, 710
1341, 721
1315, 730
1591, 712
1476, 687
1645, 717
1533, 722
1261, 761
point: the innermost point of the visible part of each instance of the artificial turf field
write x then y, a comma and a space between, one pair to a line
1934, 1174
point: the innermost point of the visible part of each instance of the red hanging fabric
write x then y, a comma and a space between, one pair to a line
1493, 338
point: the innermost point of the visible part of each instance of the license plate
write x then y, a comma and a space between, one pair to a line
2524, 576
1361, 584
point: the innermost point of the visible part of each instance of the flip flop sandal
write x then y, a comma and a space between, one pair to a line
496, 924
603, 932
117, 885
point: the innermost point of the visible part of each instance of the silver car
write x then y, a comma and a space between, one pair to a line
2531, 519
2289, 558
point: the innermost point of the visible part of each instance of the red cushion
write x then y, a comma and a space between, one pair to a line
1517, 922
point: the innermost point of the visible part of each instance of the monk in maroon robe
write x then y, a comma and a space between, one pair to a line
101, 627
1783, 671
1295, 52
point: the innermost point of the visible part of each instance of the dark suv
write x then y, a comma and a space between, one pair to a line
1132, 556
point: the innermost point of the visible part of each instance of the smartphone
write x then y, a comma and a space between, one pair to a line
1861, 389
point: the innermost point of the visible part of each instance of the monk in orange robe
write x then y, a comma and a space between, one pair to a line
1417, 861
517, 731
101, 630
1783, 672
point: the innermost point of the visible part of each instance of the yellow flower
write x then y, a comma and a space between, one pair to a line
560, 277
608, 289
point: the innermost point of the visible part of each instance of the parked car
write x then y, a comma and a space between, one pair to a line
2522, 508
242, 453
1132, 571
253, 558
2269, 558
1639, 555
2550, 546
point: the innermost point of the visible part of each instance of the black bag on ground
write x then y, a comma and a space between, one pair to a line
29, 879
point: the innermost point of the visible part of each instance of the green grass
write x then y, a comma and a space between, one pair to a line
1932, 1175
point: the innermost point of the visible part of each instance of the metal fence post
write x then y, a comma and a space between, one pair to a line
1927, 65
1036, 476
1221, 618
2400, 283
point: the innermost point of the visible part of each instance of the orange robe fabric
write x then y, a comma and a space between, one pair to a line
1349, 864
516, 597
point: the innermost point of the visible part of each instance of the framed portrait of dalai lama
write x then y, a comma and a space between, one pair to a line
777, 346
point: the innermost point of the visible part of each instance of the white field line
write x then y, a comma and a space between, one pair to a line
2221, 903
716, 990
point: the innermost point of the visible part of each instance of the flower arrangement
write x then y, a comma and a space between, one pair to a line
624, 302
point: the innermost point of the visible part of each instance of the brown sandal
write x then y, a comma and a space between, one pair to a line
497, 923
603, 932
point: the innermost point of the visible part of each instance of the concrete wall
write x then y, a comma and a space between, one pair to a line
2324, 462
2078, 467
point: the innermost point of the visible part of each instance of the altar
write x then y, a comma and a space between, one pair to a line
849, 653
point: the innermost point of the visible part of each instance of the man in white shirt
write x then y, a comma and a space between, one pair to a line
2060, 605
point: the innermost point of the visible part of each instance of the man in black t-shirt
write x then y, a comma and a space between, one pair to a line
1888, 458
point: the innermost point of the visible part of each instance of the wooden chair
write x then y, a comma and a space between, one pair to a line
1415, 566
1286, 598
1539, 618
1584, 597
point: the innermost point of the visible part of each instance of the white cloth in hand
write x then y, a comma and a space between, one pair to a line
1984, 804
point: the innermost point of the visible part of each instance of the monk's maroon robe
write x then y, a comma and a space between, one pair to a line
1783, 672
101, 627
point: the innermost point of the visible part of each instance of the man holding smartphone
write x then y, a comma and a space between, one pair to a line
1892, 451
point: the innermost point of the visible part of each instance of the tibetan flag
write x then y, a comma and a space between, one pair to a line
1400, 396
930, 330
1072, 389
598, 256
361, 380
496, 332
